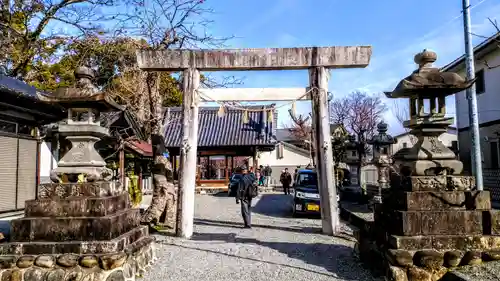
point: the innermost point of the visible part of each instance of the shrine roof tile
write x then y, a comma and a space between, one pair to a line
226, 131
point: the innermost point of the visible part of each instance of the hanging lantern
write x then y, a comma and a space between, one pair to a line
245, 117
222, 111
270, 116
294, 108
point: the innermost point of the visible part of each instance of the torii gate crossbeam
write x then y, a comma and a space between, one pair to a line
316, 59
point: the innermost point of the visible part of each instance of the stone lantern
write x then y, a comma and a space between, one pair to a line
78, 230
84, 102
429, 155
430, 212
382, 149
432, 218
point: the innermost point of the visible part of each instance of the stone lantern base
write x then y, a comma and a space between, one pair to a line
429, 226
76, 232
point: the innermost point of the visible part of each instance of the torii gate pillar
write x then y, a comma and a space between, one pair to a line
316, 59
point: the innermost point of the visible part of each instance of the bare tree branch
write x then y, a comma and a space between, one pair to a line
359, 113
493, 38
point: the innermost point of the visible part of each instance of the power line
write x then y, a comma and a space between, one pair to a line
432, 32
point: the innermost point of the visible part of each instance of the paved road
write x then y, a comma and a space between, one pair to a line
278, 247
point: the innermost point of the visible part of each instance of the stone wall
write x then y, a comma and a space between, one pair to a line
121, 266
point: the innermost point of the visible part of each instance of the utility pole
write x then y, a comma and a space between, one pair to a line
477, 169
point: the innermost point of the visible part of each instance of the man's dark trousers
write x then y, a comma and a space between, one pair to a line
286, 189
246, 211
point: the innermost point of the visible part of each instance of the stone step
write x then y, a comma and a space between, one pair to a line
444, 242
77, 206
117, 244
74, 228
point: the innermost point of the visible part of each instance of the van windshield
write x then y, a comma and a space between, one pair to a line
307, 179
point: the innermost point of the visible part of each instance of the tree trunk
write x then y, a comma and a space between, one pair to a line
164, 194
164, 191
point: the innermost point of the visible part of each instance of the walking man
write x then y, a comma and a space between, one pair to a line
246, 191
286, 181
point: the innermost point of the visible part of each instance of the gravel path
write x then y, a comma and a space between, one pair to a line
278, 247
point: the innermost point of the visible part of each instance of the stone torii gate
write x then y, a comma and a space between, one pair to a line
316, 59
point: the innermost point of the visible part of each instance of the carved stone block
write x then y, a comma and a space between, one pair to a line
461, 182
438, 183
427, 183
412, 223
77, 206
440, 200
492, 219
64, 190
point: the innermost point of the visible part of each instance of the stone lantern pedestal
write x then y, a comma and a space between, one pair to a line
381, 150
432, 220
78, 230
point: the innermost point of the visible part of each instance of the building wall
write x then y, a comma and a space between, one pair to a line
487, 102
488, 112
290, 160
488, 136
47, 162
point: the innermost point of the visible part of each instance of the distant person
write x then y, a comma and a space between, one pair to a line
286, 181
267, 173
247, 190
262, 175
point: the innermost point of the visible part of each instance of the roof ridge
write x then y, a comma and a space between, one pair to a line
210, 108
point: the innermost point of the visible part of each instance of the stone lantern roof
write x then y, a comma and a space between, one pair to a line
428, 81
382, 138
84, 94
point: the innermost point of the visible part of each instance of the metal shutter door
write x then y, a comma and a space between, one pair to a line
26, 182
8, 167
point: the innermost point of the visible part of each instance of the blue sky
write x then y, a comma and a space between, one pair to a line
396, 30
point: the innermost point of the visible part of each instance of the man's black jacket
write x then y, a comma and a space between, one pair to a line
244, 186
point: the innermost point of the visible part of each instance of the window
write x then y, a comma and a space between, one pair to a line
480, 83
15, 128
26, 130
279, 151
212, 167
8, 127
405, 145
353, 153
494, 154
305, 179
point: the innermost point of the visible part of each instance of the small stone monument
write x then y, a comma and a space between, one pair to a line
78, 230
432, 219
381, 143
